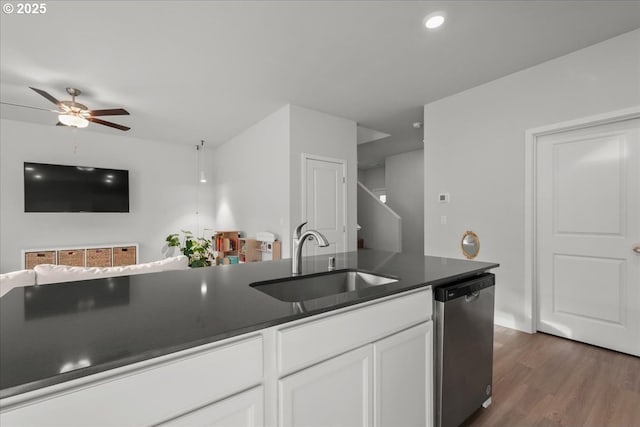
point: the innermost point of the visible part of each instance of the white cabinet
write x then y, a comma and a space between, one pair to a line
377, 368
387, 383
146, 393
333, 393
403, 378
366, 365
317, 339
242, 410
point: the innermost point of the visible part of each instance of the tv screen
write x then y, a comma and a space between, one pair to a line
59, 188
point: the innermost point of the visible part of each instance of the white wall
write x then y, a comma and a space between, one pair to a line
404, 177
252, 180
258, 172
313, 132
475, 150
373, 178
381, 227
163, 191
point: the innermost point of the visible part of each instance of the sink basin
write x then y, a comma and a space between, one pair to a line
304, 288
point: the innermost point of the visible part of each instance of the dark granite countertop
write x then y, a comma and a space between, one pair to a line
54, 333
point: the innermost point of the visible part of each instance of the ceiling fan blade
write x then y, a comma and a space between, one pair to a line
111, 112
46, 95
103, 122
27, 106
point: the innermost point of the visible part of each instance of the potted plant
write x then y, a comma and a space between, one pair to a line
197, 249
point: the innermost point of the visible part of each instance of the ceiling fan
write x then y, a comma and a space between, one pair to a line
74, 114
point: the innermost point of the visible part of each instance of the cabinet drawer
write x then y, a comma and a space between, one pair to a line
152, 394
307, 343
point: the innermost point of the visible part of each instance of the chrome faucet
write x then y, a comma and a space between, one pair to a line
298, 240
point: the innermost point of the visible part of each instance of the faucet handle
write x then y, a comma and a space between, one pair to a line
298, 231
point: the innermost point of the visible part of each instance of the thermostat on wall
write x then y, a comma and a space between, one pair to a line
443, 197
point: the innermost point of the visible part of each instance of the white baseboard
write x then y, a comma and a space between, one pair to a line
508, 321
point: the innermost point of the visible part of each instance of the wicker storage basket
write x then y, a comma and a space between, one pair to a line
72, 257
124, 256
31, 259
99, 257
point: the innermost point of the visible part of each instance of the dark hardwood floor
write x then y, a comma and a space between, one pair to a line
543, 380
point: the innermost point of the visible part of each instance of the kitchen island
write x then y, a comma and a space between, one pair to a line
208, 335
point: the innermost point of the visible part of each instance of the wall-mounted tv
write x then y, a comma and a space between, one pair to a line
60, 188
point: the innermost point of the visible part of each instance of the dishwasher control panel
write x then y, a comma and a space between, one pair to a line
465, 287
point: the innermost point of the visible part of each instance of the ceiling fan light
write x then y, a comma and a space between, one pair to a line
73, 120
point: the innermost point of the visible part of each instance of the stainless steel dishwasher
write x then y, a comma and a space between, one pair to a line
464, 348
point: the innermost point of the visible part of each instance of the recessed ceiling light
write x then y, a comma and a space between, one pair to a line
434, 20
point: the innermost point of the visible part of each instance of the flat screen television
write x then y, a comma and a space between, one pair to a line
60, 188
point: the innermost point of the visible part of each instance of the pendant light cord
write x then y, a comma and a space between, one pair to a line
199, 174
197, 191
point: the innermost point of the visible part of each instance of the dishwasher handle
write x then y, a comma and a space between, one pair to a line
472, 296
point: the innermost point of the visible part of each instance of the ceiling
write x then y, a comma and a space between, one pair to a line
206, 70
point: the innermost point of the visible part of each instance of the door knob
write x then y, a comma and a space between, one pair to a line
636, 248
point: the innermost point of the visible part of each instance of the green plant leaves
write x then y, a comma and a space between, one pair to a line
197, 249
173, 240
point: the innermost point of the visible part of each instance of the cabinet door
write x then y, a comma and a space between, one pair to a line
403, 378
242, 410
334, 393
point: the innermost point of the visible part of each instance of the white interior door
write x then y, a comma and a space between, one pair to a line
588, 222
324, 204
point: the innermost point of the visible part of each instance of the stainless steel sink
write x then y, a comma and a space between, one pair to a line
304, 288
